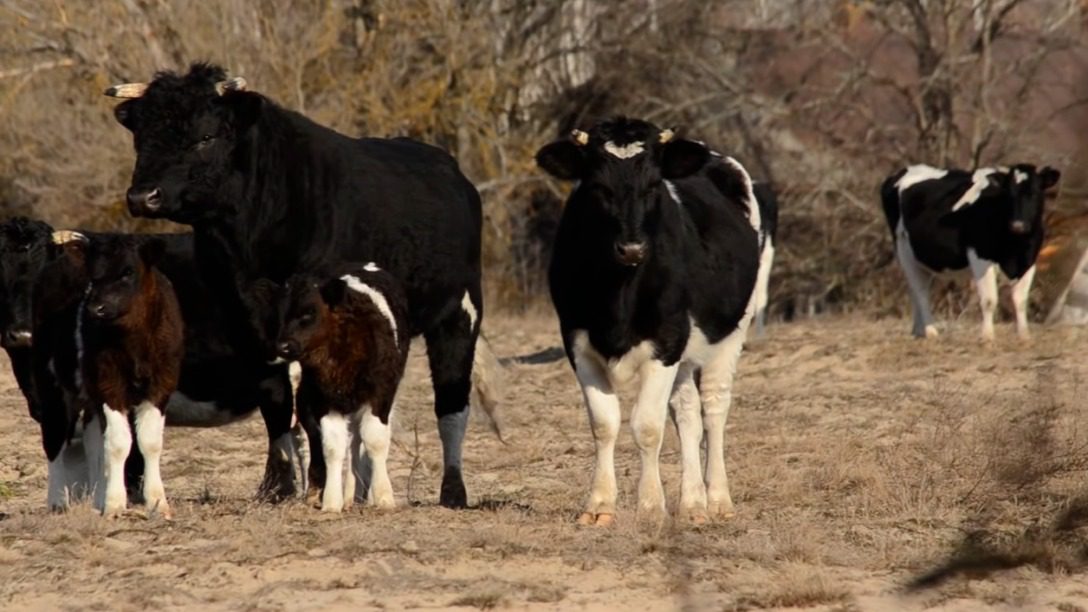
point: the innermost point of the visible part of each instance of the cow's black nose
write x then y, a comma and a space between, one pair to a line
1018, 227
143, 200
98, 310
286, 349
630, 253
17, 338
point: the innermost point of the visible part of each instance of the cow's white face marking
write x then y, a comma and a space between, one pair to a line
980, 180
470, 310
627, 151
371, 267
673, 193
375, 296
749, 196
1019, 177
918, 174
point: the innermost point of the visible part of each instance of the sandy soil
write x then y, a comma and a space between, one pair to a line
859, 461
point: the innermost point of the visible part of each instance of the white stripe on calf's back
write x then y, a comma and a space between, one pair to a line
375, 296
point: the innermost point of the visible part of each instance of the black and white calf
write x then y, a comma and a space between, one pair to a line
349, 330
945, 220
653, 274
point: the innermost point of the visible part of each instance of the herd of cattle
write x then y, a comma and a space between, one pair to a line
315, 258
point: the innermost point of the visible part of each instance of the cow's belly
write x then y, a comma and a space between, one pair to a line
937, 250
184, 411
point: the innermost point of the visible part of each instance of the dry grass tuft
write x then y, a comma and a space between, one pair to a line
794, 586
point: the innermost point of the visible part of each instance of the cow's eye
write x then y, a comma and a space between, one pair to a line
128, 273
205, 141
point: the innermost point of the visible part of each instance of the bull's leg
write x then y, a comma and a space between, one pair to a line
118, 442
377, 437
648, 426
450, 346
985, 275
716, 395
334, 440
276, 408
604, 420
150, 421
687, 415
918, 281
1020, 290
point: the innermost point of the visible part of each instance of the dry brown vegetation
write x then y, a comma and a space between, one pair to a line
863, 463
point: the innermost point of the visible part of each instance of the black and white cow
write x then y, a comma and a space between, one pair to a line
944, 220
653, 274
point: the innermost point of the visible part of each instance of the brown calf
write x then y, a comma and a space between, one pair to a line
349, 330
131, 341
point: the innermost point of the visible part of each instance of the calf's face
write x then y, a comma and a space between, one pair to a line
1026, 192
308, 317
26, 248
118, 268
621, 166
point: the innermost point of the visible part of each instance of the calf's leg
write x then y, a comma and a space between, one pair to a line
118, 442
985, 275
1021, 288
648, 427
687, 415
604, 419
918, 280
716, 395
150, 421
334, 442
377, 438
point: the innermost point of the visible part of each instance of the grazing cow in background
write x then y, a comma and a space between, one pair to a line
983, 220
768, 215
219, 383
653, 273
348, 330
269, 193
132, 343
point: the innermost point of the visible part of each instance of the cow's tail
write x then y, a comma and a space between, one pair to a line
486, 380
889, 199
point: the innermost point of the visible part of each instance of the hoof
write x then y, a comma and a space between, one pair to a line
603, 519
453, 493
160, 509
695, 516
721, 511
113, 512
313, 496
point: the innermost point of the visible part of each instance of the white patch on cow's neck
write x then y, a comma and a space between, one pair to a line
375, 296
1019, 177
918, 173
371, 267
673, 193
750, 196
470, 310
980, 180
627, 151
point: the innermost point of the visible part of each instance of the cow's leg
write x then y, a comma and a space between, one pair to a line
334, 441
361, 467
604, 420
763, 279
716, 395
275, 402
57, 491
118, 442
985, 275
450, 347
1021, 288
918, 281
94, 447
687, 415
377, 438
150, 421
648, 426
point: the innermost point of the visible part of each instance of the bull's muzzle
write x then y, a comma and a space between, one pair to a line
143, 201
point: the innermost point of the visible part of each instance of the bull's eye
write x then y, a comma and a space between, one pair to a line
205, 141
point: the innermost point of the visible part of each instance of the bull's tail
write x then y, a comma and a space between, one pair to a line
486, 380
889, 198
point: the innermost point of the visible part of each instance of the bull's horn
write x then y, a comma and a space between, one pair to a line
665, 136
66, 236
127, 90
580, 137
235, 84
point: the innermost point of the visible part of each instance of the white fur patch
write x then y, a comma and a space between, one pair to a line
627, 151
621, 369
371, 267
750, 196
470, 310
1019, 177
918, 173
375, 296
980, 180
673, 193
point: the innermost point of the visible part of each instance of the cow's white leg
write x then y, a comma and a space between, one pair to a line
94, 447
1021, 288
57, 491
688, 417
648, 427
985, 275
604, 419
118, 443
716, 395
377, 438
334, 445
918, 281
763, 279
150, 421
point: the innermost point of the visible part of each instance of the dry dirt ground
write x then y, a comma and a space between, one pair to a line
860, 460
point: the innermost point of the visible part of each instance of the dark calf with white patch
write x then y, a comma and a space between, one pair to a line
349, 330
948, 220
132, 349
653, 273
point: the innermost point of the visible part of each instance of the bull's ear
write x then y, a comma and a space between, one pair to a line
245, 107
124, 113
1048, 177
332, 291
681, 158
563, 159
151, 251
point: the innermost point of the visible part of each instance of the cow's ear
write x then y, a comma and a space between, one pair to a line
125, 114
72, 245
563, 159
681, 158
1048, 177
151, 251
332, 291
245, 107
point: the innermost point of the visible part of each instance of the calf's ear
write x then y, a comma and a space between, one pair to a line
73, 245
151, 251
681, 158
333, 292
562, 159
1048, 177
